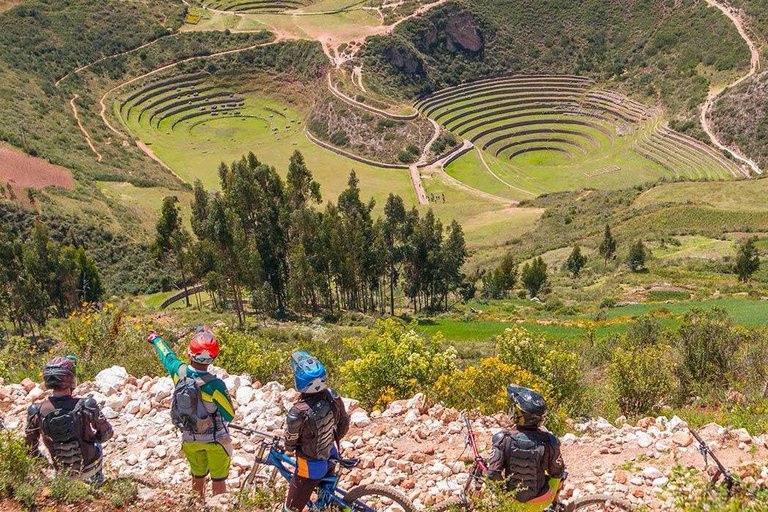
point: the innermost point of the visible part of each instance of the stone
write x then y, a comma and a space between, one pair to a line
651, 473
359, 419
244, 395
682, 438
161, 389
660, 482
113, 377
27, 384
644, 440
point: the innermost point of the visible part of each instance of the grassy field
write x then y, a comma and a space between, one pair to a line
470, 170
745, 312
743, 195
145, 202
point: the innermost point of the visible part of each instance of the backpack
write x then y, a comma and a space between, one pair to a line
188, 411
65, 430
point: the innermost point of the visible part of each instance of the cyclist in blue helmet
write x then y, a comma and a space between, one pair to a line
314, 426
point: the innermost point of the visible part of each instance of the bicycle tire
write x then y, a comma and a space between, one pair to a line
455, 503
360, 492
607, 501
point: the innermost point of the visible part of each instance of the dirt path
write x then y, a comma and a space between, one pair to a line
82, 128
418, 186
354, 102
435, 135
488, 168
715, 92
103, 105
83, 68
151, 154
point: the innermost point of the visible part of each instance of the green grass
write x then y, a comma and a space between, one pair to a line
470, 170
748, 195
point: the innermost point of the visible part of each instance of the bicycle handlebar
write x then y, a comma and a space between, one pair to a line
706, 453
252, 432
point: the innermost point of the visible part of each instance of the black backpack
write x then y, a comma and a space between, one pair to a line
65, 430
188, 411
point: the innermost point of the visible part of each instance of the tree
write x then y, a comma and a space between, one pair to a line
301, 186
637, 256
395, 237
452, 258
575, 261
607, 246
172, 240
534, 276
747, 260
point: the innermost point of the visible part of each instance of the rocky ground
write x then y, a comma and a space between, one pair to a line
413, 445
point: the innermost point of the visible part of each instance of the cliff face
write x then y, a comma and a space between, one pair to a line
413, 445
462, 34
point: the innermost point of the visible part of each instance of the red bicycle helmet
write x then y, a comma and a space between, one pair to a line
203, 348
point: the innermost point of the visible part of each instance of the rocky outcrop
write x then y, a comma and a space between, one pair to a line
413, 445
461, 33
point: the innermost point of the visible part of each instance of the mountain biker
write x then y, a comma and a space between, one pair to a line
314, 425
206, 442
72, 428
527, 458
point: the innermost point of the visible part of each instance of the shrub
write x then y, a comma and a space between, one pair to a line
645, 330
557, 367
482, 387
69, 490
642, 379
406, 157
19, 473
394, 362
707, 341
339, 138
243, 353
534, 276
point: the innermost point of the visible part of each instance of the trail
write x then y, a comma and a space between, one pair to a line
369, 108
714, 93
103, 105
435, 135
86, 66
151, 154
418, 187
82, 128
488, 168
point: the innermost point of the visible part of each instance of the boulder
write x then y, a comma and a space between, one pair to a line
111, 378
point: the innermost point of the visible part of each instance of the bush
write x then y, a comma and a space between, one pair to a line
642, 379
707, 341
557, 367
19, 473
243, 353
339, 138
69, 490
406, 157
394, 362
482, 387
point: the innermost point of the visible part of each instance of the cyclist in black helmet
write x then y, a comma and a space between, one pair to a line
72, 429
527, 458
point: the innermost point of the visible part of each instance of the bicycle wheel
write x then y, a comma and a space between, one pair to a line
598, 502
455, 504
378, 498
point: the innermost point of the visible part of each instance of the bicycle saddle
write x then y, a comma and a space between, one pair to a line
346, 463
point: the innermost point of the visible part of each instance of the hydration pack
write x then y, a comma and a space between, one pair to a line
525, 475
65, 430
322, 423
188, 411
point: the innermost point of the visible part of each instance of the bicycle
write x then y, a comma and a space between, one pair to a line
271, 456
596, 502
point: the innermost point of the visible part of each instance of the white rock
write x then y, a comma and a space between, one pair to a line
113, 377
644, 440
162, 389
109, 413
568, 439
660, 482
676, 424
652, 473
244, 395
359, 419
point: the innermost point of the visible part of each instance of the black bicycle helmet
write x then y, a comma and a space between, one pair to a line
59, 373
528, 409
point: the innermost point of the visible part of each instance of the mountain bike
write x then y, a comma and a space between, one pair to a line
474, 485
272, 462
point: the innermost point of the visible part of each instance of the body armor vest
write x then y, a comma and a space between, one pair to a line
323, 424
524, 454
65, 431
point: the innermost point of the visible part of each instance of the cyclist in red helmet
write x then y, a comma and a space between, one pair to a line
201, 409
72, 429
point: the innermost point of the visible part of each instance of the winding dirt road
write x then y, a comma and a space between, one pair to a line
488, 168
715, 92
82, 128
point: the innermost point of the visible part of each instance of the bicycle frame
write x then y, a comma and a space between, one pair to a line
328, 492
706, 453
479, 467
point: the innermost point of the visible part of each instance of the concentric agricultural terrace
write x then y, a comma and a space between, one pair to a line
202, 113
561, 120
256, 6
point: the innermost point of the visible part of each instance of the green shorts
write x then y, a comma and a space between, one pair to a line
205, 458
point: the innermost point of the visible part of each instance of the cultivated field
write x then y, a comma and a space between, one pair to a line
24, 171
542, 133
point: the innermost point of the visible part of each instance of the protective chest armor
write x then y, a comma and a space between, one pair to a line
322, 422
65, 430
524, 454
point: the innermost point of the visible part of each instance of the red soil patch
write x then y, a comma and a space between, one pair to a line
24, 171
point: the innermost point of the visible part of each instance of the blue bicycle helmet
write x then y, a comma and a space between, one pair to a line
308, 373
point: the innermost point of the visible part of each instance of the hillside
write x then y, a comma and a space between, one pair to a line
413, 444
